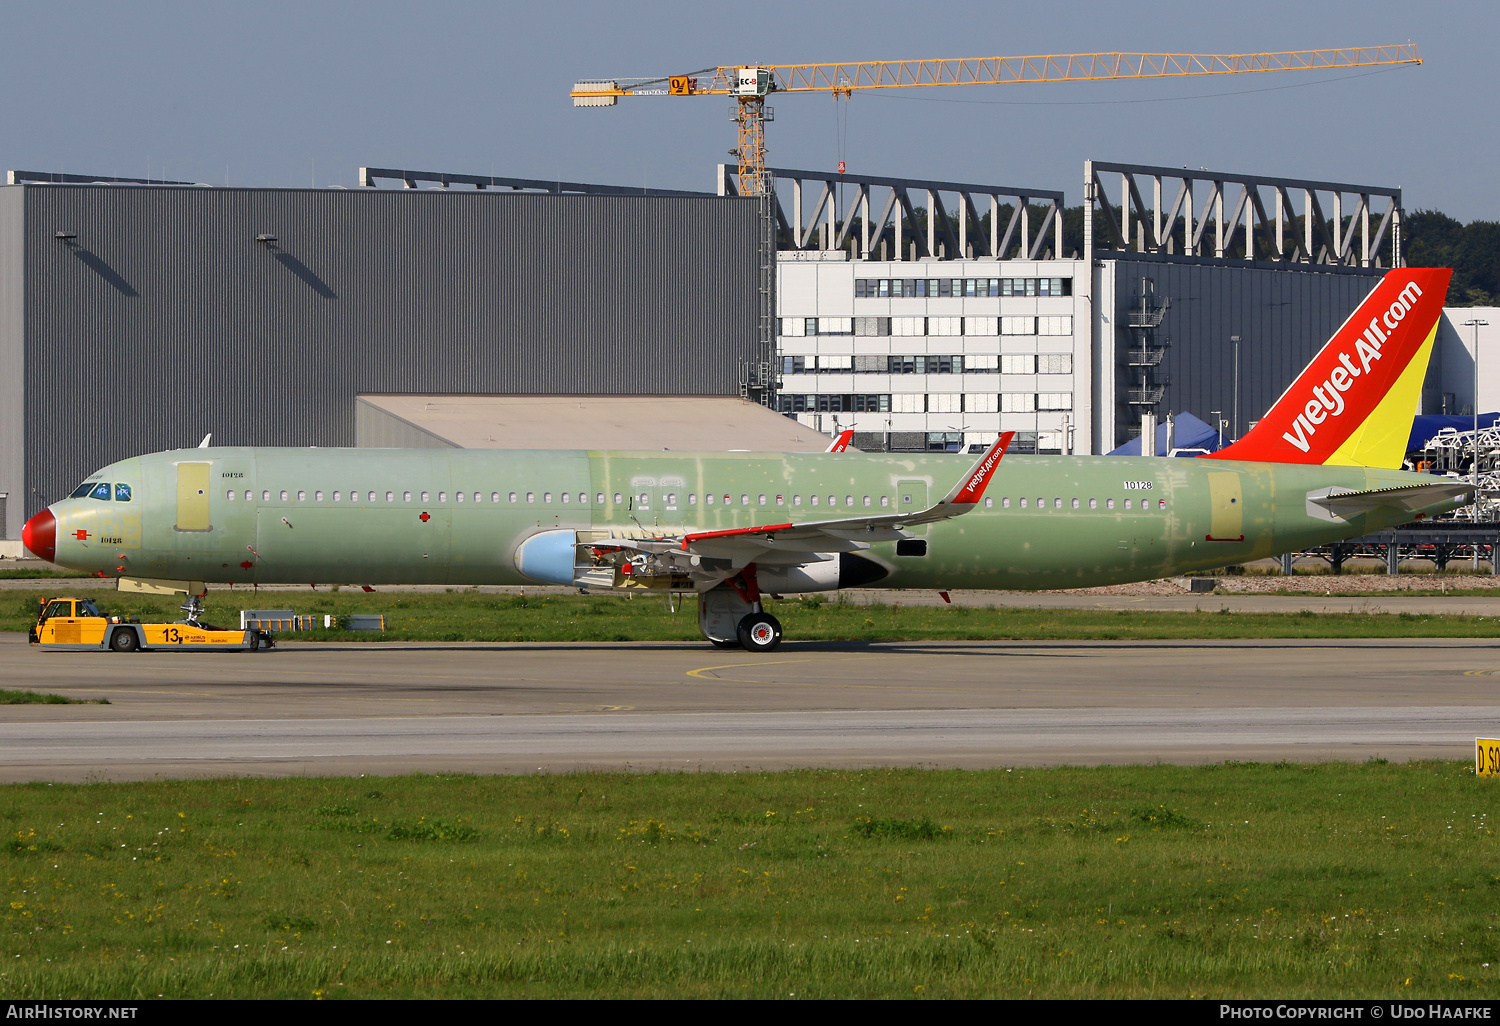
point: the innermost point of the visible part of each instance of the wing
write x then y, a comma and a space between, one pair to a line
797, 543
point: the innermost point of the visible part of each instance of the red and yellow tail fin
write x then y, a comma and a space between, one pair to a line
1353, 405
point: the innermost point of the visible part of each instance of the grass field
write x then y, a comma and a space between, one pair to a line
1228, 880
473, 616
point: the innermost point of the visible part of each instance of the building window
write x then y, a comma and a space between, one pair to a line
1054, 401
1054, 325
1018, 363
945, 325
872, 326
981, 325
945, 402
908, 325
908, 403
1018, 402
1018, 325
1054, 363
1036, 286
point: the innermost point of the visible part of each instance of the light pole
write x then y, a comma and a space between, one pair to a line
1476, 324
1234, 340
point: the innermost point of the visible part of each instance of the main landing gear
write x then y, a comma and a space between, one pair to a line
730, 615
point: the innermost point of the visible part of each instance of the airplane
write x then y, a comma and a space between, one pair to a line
1321, 466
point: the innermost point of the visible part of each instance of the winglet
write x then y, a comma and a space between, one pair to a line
842, 441
969, 491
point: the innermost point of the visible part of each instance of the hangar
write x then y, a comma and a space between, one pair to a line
136, 317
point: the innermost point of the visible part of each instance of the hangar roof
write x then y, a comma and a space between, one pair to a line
710, 423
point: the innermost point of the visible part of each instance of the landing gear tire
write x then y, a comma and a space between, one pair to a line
759, 632
123, 641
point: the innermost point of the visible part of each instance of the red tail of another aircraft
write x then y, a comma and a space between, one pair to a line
1353, 405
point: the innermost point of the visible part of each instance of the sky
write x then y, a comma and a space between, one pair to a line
304, 93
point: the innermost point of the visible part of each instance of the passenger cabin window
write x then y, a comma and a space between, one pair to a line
122, 493
885, 500
531, 496
442, 497
565, 498
708, 500
513, 496
1075, 503
424, 496
229, 495
495, 497
390, 496
336, 496
457, 495
1093, 504
318, 495
406, 496
249, 493
619, 498
796, 500
301, 496
1109, 503
988, 502
692, 498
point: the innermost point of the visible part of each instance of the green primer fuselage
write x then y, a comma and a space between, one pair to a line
1073, 531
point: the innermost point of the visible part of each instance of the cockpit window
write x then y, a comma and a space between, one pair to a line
101, 491
82, 490
122, 493
87, 608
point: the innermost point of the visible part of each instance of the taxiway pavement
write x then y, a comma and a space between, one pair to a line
397, 707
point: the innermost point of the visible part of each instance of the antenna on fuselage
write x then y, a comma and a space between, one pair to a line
204, 444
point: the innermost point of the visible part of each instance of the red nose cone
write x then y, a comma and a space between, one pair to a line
40, 535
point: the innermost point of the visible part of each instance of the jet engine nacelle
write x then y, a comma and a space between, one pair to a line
834, 570
548, 557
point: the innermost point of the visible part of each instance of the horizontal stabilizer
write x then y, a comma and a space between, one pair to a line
1411, 498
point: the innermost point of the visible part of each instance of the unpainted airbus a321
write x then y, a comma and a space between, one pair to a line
1319, 467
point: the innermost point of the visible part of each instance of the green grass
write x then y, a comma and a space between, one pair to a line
27, 574
9, 697
473, 616
1232, 880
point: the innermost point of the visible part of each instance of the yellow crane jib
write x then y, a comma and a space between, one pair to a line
750, 85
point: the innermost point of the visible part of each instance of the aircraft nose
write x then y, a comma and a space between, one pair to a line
39, 535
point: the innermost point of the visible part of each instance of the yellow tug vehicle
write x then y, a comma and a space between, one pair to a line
76, 624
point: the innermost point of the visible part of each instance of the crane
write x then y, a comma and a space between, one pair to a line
751, 85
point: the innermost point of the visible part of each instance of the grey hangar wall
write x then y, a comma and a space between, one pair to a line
136, 319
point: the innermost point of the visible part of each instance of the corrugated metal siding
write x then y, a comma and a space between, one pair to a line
165, 320
12, 346
1284, 317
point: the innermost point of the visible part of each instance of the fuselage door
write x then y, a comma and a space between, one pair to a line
1226, 507
192, 497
